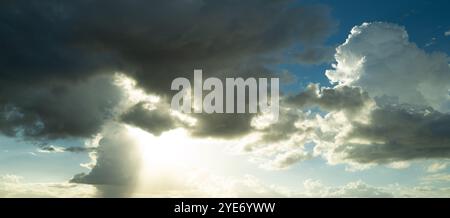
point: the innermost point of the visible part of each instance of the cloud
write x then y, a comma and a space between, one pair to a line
410, 88
401, 133
438, 177
287, 159
58, 110
153, 120
350, 99
60, 81
436, 167
447, 33
12, 186
222, 125
281, 144
117, 164
420, 191
399, 165
389, 105
240, 35
358, 189
50, 149
201, 183
379, 58
60, 149
277, 145
48, 73
247, 186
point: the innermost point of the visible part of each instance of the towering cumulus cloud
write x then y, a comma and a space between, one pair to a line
117, 163
379, 58
390, 102
411, 88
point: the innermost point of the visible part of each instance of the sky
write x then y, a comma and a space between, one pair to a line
85, 91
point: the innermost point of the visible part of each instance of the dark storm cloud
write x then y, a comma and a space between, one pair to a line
349, 99
154, 121
58, 110
154, 40
37, 44
49, 45
401, 132
222, 125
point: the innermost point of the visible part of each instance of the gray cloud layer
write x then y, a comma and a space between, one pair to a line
58, 110
154, 121
350, 99
50, 48
405, 132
